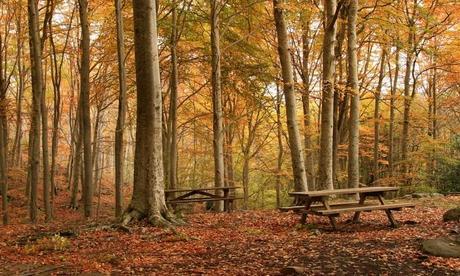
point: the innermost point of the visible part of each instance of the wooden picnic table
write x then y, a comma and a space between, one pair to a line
187, 195
305, 203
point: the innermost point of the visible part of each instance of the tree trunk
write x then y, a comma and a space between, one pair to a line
16, 151
37, 86
148, 198
279, 136
85, 109
218, 130
376, 168
352, 86
173, 102
297, 154
306, 107
3, 138
394, 87
46, 174
122, 104
407, 102
327, 103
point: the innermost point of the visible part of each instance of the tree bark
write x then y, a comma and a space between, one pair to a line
295, 143
352, 86
3, 136
394, 88
37, 86
85, 109
218, 140
306, 107
122, 104
376, 168
148, 198
173, 102
327, 103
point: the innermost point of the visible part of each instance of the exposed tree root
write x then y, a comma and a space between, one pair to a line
157, 219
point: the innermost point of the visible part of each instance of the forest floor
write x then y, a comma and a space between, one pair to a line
239, 243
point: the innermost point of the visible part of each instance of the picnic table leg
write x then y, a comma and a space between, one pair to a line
331, 218
226, 201
392, 220
303, 219
333, 222
362, 198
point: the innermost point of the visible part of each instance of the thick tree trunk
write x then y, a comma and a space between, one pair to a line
376, 168
85, 109
295, 142
148, 198
218, 140
122, 104
352, 86
37, 86
327, 104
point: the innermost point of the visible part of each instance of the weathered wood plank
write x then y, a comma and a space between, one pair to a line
363, 190
201, 189
334, 211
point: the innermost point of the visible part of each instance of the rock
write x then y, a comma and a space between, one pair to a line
452, 215
293, 270
443, 247
420, 195
436, 195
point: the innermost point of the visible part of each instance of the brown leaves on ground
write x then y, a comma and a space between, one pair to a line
241, 243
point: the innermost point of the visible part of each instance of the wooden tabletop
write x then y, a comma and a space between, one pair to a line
202, 189
344, 191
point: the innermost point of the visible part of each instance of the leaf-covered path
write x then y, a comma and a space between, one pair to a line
241, 243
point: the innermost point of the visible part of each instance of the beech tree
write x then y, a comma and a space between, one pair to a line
352, 86
37, 87
148, 199
218, 128
327, 102
122, 102
85, 131
297, 153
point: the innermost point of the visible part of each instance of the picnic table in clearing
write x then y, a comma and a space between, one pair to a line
187, 195
305, 203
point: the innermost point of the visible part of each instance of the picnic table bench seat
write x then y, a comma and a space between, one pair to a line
362, 208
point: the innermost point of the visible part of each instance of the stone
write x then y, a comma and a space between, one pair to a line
443, 247
436, 195
420, 195
452, 215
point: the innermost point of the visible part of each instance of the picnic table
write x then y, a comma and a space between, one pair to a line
305, 203
188, 195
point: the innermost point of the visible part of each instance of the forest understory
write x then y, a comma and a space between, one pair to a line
250, 242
